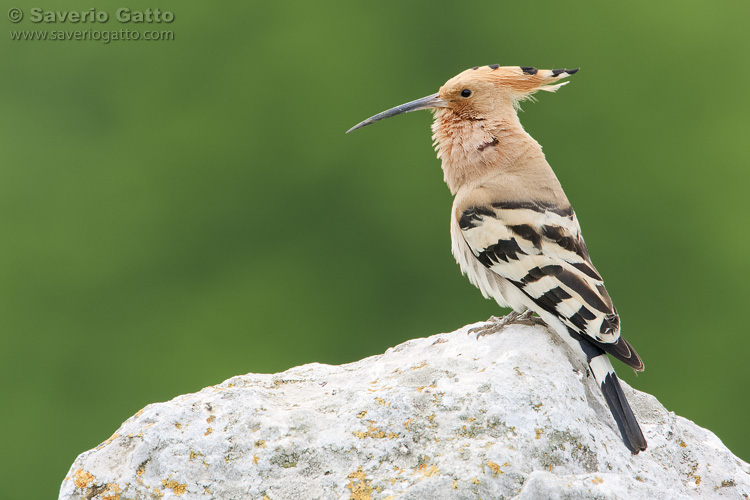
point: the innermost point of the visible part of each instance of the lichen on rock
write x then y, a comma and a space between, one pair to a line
444, 417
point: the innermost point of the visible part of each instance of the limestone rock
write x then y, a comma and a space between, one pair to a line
444, 417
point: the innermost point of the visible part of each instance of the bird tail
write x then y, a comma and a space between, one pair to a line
605, 376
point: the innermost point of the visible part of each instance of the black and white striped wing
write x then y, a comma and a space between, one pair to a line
539, 249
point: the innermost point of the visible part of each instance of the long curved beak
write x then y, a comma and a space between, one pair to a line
431, 101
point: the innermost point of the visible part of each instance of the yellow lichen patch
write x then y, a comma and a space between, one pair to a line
374, 381
255, 459
260, 444
139, 412
475, 480
362, 414
111, 492
178, 425
408, 423
211, 418
83, 478
141, 468
380, 401
429, 471
455, 484
518, 371
208, 431
359, 485
693, 468
374, 432
195, 454
697, 480
539, 433
173, 485
682, 444
424, 363
109, 440
265, 497
433, 424
537, 407
495, 468
597, 480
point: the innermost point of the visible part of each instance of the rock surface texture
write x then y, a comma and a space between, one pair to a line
444, 417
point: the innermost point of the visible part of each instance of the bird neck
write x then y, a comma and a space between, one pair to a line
473, 150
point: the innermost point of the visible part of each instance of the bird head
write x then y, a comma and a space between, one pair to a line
483, 92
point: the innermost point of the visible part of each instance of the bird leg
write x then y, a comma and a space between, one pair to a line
496, 324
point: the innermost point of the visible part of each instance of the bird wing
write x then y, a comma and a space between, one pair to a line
538, 248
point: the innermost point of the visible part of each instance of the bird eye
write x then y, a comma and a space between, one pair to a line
465, 93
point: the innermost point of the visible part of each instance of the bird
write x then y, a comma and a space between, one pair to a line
513, 231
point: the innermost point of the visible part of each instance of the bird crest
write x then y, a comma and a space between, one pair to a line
517, 83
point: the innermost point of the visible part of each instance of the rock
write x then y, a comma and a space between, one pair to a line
444, 417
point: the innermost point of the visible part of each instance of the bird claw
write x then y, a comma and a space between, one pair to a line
495, 324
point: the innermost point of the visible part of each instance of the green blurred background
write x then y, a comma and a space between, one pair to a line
178, 212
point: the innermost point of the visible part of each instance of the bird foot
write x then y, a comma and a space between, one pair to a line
495, 324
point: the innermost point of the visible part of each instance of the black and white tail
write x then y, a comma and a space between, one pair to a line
606, 378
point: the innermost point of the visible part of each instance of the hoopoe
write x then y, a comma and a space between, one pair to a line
513, 231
